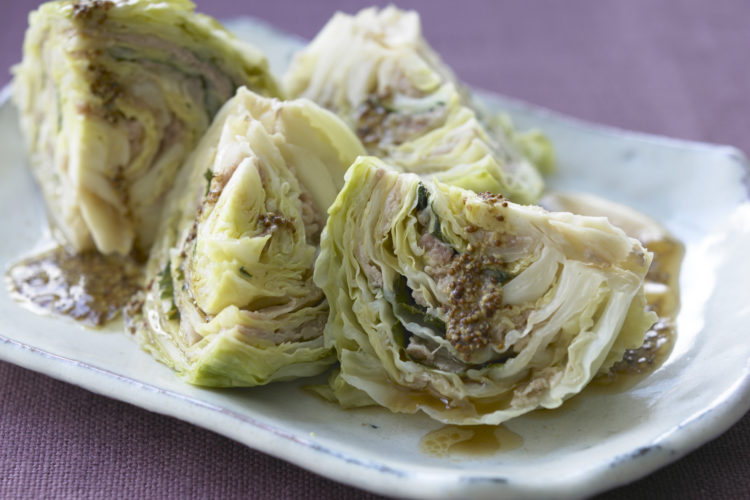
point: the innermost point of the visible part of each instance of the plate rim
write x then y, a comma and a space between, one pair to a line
695, 431
622, 469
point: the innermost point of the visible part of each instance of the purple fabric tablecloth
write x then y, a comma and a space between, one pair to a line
677, 68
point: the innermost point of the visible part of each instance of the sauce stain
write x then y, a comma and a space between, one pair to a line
89, 287
661, 287
466, 441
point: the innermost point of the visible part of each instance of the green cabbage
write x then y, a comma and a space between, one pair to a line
466, 306
230, 298
376, 71
113, 96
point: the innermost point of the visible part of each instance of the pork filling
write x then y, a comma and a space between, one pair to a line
468, 328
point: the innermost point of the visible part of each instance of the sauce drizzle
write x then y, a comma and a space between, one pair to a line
89, 287
469, 441
661, 285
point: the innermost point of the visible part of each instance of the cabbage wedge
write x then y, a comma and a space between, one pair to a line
113, 96
230, 298
468, 307
377, 72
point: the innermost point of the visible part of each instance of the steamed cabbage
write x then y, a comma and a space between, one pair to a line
230, 298
113, 96
468, 307
376, 71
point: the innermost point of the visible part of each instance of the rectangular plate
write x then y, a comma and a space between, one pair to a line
699, 192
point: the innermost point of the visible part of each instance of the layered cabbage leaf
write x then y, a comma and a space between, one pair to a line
230, 298
113, 96
466, 306
377, 72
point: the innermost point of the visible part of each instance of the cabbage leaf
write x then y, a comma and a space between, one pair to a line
469, 307
113, 96
376, 71
230, 299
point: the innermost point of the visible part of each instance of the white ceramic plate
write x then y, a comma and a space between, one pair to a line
700, 192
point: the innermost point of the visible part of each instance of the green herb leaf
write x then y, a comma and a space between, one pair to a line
436, 231
437, 105
165, 282
422, 197
208, 175
498, 275
173, 313
244, 273
379, 105
167, 291
423, 200
406, 309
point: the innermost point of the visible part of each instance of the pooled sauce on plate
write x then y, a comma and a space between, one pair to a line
662, 296
469, 441
89, 287
661, 284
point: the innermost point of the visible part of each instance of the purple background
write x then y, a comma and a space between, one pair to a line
678, 68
